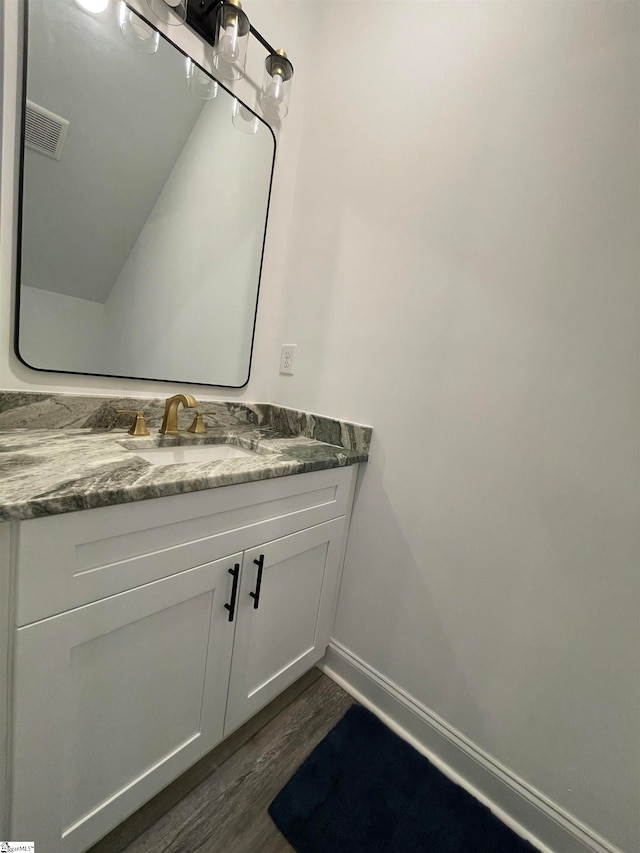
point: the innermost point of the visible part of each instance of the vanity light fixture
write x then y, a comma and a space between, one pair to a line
172, 12
200, 83
225, 26
232, 30
136, 31
276, 86
242, 118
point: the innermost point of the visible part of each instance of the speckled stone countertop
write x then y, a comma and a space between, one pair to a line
64, 469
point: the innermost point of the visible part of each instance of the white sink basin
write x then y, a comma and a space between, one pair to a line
194, 453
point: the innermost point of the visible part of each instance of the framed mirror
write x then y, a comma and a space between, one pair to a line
143, 207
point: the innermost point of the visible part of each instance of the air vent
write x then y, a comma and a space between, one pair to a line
44, 131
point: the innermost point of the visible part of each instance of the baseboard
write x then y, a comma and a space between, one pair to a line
527, 811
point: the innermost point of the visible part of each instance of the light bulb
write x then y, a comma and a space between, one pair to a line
229, 42
94, 7
232, 36
275, 92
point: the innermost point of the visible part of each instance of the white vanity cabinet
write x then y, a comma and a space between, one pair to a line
146, 632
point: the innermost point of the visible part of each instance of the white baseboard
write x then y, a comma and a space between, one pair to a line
527, 811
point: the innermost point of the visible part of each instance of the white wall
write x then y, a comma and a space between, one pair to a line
289, 23
42, 334
463, 275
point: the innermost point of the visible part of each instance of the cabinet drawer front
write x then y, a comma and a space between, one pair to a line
115, 699
69, 560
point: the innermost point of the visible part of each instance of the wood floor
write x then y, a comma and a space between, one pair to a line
226, 811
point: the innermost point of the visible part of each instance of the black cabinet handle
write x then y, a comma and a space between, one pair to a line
256, 595
235, 574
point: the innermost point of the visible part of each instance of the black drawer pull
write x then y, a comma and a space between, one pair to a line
235, 574
256, 595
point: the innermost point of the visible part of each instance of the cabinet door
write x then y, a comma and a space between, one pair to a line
286, 605
115, 699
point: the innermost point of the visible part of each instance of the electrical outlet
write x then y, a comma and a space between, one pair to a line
286, 358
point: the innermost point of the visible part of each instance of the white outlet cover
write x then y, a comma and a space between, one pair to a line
287, 356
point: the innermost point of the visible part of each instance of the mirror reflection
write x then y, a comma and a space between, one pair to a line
144, 205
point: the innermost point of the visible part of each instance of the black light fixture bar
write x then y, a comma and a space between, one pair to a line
261, 38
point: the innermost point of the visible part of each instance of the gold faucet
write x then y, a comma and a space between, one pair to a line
170, 419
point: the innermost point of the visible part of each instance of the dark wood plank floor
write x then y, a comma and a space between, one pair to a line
227, 810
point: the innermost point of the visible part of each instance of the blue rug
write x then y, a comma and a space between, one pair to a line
364, 790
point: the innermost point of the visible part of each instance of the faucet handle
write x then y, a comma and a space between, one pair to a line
198, 427
138, 427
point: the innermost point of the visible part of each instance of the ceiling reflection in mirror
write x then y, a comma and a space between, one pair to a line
143, 207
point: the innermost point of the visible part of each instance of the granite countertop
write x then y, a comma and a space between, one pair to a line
51, 471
